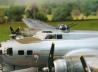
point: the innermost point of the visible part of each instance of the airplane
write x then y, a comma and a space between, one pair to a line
26, 52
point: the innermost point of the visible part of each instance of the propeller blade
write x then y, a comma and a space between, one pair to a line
17, 30
12, 30
0, 45
50, 59
85, 66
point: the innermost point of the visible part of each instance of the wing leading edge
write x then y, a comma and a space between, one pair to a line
37, 24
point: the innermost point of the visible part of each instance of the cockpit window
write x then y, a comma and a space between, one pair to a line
51, 37
9, 51
59, 36
29, 52
21, 52
54, 36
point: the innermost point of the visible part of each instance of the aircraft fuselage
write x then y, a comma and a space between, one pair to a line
40, 51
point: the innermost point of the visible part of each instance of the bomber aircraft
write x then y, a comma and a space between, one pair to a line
50, 49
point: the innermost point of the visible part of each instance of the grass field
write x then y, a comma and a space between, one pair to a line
81, 25
5, 31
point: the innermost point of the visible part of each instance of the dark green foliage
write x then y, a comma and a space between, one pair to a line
35, 13
41, 16
15, 13
62, 12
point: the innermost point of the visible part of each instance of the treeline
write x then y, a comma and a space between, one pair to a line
58, 12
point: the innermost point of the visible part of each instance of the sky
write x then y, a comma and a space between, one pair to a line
24, 2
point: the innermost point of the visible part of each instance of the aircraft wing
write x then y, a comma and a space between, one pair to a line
26, 70
93, 63
37, 24
77, 64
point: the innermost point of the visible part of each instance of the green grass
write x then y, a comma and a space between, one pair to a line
81, 25
5, 31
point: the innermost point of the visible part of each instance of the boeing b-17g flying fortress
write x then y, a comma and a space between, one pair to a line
49, 49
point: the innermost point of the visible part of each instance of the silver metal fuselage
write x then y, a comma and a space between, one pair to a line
39, 57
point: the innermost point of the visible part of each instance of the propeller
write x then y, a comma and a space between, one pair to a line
50, 58
15, 32
84, 64
12, 30
69, 26
1, 57
0, 45
66, 27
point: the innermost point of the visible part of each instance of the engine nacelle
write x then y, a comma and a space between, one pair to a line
60, 65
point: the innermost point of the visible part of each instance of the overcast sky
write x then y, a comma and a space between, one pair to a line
24, 2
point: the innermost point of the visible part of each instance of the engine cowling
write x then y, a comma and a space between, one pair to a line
60, 65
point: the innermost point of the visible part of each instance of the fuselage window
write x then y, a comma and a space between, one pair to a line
21, 52
10, 51
29, 52
59, 36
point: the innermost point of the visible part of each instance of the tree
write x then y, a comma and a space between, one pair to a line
15, 13
88, 6
62, 12
35, 12
31, 11
41, 16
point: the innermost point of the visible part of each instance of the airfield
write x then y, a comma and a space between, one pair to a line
81, 25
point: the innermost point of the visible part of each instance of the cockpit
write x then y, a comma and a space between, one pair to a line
54, 36
45, 35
